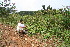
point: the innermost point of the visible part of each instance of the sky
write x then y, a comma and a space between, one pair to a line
34, 5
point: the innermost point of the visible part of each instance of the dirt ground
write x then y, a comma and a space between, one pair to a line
10, 38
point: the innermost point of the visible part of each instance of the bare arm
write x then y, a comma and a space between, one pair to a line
22, 27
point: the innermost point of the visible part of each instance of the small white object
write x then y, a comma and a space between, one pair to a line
5, 26
32, 45
25, 38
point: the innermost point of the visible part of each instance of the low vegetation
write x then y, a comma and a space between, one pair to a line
48, 23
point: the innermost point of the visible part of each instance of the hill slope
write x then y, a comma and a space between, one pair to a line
10, 38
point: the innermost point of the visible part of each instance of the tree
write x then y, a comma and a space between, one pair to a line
43, 7
6, 8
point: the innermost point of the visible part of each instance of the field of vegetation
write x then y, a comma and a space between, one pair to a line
47, 22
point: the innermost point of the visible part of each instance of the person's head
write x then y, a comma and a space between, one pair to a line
21, 20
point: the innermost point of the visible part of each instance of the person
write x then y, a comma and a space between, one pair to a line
20, 27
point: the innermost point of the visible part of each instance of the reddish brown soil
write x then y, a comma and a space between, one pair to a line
10, 38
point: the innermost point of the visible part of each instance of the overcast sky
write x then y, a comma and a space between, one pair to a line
34, 5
